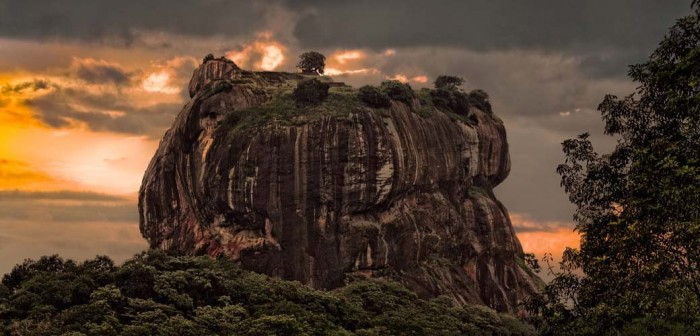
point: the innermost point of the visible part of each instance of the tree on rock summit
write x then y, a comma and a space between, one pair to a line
312, 62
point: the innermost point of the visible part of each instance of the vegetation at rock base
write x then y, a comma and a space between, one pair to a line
312, 62
310, 92
158, 294
638, 208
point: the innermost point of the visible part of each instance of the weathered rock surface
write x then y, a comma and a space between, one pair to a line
381, 194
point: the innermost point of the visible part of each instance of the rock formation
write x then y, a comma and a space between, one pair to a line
318, 198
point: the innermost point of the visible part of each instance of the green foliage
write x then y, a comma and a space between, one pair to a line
452, 100
373, 97
340, 104
312, 62
448, 82
283, 110
638, 208
217, 87
480, 99
310, 92
398, 91
158, 294
426, 107
475, 192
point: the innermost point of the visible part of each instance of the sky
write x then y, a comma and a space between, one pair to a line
88, 88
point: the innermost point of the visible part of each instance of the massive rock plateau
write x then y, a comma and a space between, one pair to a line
380, 193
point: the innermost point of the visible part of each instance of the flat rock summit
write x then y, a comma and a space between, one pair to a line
327, 193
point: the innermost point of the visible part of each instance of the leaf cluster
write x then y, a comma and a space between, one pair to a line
310, 92
312, 62
637, 208
155, 293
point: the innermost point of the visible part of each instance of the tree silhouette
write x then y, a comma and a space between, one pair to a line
312, 62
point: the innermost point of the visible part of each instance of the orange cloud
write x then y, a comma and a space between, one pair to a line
273, 56
541, 237
87, 160
16, 174
91, 157
348, 62
420, 79
169, 76
399, 77
260, 55
338, 72
549, 242
159, 82
348, 55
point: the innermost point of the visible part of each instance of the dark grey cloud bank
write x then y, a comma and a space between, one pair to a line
121, 22
58, 109
609, 34
65, 104
489, 25
100, 73
479, 25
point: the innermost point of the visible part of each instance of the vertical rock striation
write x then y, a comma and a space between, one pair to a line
391, 195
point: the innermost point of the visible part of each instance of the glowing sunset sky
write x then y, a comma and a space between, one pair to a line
87, 89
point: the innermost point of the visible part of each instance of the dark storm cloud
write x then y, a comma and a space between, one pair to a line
521, 84
96, 72
97, 93
488, 25
63, 106
120, 22
600, 25
34, 85
151, 121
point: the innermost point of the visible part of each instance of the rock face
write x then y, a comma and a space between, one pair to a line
389, 194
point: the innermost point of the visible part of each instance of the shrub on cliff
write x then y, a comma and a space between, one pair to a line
398, 91
159, 294
373, 97
453, 100
312, 62
480, 99
311, 92
209, 57
448, 82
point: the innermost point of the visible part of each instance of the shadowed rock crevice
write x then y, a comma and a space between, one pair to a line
320, 196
